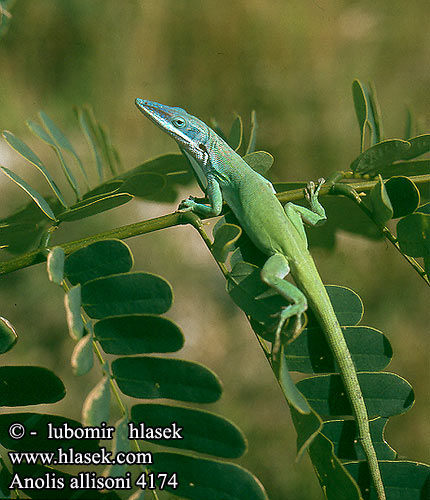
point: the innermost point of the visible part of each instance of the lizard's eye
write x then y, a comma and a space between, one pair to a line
178, 122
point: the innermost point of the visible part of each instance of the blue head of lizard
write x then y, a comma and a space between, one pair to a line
189, 132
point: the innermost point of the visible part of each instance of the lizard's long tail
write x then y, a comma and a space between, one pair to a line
321, 306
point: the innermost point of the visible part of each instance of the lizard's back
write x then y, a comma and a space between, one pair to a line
251, 198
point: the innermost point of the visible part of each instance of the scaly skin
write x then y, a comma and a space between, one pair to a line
278, 233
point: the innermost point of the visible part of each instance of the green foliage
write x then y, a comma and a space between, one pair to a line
402, 479
29, 385
8, 336
101, 258
368, 114
154, 378
55, 265
234, 138
385, 394
260, 161
72, 303
413, 233
156, 179
138, 334
38, 198
131, 293
209, 479
111, 309
82, 359
130, 324
96, 406
207, 432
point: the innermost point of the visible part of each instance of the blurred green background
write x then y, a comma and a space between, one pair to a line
291, 61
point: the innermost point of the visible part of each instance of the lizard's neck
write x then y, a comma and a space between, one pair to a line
224, 160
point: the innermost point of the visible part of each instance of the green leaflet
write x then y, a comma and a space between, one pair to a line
72, 304
94, 206
259, 302
215, 126
419, 146
367, 111
172, 167
96, 406
144, 185
245, 250
380, 155
8, 335
201, 431
347, 305
402, 479
99, 259
381, 206
108, 187
413, 233
62, 141
343, 435
260, 161
252, 295
120, 443
109, 153
408, 124
294, 397
131, 293
209, 479
83, 357
138, 334
152, 377
139, 494
23, 230
307, 428
361, 109
335, 481
406, 168
22, 148
38, 131
38, 198
91, 132
20, 237
29, 385
386, 394
310, 353
404, 196
235, 136
253, 133
225, 239
55, 265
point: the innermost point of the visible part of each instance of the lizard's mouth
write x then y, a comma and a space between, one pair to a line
154, 111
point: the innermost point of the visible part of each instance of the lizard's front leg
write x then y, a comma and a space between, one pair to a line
213, 192
273, 273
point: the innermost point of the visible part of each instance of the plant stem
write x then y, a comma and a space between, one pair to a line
178, 218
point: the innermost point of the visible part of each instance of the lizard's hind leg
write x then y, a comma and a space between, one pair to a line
273, 273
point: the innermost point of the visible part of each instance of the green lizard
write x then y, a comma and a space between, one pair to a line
279, 233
